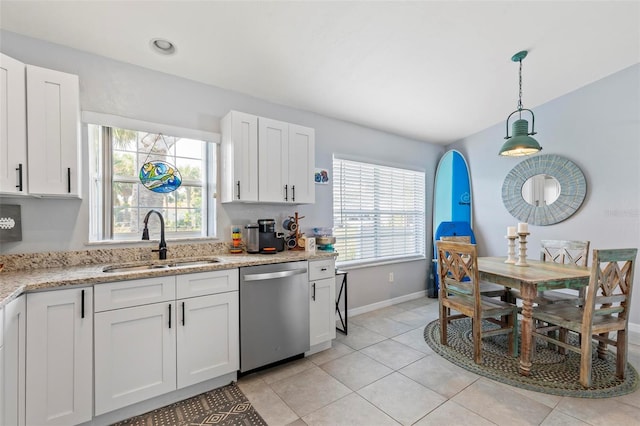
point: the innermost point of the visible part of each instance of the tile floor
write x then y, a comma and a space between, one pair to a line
383, 373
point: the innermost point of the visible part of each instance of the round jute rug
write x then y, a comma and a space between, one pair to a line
551, 372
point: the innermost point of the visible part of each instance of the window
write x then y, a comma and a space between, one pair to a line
119, 201
378, 212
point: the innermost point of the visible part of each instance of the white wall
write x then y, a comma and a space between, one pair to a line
598, 128
117, 88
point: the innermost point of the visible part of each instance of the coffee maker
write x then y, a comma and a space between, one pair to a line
270, 241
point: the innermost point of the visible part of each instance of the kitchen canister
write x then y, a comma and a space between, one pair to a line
310, 245
253, 239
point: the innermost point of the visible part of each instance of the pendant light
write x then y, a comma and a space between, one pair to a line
520, 143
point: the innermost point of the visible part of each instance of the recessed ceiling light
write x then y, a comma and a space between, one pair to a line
163, 46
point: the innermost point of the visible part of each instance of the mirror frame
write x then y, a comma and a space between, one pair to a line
573, 189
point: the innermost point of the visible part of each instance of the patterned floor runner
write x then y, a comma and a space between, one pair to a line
225, 406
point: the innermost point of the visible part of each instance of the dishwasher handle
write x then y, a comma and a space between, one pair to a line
274, 275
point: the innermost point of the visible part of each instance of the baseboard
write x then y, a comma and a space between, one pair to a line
383, 304
318, 348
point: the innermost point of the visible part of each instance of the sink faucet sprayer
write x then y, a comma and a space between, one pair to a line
162, 248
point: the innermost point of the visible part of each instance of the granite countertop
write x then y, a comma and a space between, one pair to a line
14, 283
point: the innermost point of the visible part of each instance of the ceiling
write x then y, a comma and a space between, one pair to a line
436, 71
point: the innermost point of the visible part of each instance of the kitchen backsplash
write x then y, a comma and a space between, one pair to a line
26, 261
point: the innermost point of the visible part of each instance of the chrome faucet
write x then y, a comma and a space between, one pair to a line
162, 248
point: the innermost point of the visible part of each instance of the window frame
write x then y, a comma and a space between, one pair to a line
418, 216
101, 219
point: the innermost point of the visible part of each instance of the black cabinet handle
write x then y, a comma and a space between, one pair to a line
286, 192
293, 191
19, 170
238, 190
82, 305
69, 180
313, 297
183, 308
169, 315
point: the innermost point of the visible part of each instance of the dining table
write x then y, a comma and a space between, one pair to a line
535, 277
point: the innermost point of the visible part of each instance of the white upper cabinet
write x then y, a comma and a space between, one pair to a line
13, 127
285, 162
302, 164
265, 160
273, 160
53, 131
239, 157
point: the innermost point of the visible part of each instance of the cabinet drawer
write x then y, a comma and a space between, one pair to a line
319, 269
205, 283
124, 294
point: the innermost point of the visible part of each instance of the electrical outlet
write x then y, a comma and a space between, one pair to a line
390, 277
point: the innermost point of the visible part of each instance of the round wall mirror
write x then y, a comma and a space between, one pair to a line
541, 190
529, 205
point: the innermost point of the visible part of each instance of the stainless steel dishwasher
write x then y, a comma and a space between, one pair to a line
274, 313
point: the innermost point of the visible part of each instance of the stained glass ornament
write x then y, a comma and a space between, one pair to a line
160, 176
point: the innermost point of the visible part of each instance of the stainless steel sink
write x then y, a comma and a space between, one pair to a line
182, 263
188, 262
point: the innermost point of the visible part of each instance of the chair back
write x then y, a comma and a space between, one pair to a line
562, 251
610, 285
458, 271
458, 238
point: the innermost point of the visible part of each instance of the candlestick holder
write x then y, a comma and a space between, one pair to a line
522, 255
511, 254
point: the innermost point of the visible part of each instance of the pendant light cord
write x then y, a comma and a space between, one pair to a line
520, 87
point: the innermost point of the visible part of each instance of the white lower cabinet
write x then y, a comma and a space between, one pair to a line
207, 336
322, 293
173, 341
59, 366
2, 383
135, 355
2, 365
13, 382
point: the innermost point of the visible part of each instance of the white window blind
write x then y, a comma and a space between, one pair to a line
378, 212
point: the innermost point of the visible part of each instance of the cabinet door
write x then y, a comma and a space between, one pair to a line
13, 127
207, 337
53, 118
2, 365
2, 384
273, 161
135, 355
239, 152
14, 362
302, 164
59, 357
322, 321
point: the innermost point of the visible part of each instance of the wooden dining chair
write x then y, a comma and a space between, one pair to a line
460, 291
566, 252
486, 289
605, 310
